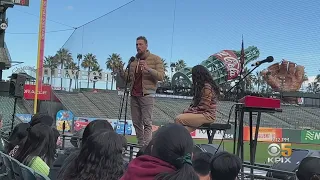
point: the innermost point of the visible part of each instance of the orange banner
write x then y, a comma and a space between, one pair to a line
264, 134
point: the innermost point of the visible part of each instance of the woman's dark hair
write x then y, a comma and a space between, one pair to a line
200, 76
19, 133
145, 150
174, 145
225, 166
95, 126
39, 142
100, 158
17, 136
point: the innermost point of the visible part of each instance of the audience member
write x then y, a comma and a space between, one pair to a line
201, 164
100, 158
19, 132
309, 169
225, 166
38, 151
64, 160
170, 157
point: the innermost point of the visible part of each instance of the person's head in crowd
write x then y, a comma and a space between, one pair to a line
100, 158
95, 126
41, 118
225, 166
174, 145
19, 132
309, 169
201, 164
39, 143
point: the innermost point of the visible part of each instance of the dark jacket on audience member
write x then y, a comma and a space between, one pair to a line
146, 168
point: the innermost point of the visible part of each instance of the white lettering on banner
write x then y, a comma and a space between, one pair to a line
72, 74
201, 134
28, 91
317, 136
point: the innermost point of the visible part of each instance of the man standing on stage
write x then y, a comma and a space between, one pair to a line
145, 72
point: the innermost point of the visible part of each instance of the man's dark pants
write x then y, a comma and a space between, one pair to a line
141, 112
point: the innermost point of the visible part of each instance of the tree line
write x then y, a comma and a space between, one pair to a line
63, 59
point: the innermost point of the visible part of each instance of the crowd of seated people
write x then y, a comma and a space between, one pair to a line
100, 156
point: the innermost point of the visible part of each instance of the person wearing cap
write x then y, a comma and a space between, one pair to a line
309, 169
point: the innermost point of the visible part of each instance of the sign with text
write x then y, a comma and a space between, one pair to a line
264, 134
21, 2
279, 153
44, 92
310, 136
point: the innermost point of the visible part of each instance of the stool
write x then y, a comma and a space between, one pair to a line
211, 129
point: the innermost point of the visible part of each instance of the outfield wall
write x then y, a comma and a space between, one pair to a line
266, 134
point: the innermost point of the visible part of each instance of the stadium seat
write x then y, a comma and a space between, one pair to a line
27, 173
8, 164
211, 129
40, 176
16, 169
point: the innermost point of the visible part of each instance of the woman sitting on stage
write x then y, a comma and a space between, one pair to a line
205, 95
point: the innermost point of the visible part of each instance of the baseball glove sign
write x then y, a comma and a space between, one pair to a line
285, 76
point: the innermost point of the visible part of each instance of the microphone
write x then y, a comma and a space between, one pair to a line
258, 63
131, 60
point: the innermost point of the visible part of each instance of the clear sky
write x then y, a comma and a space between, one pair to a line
284, 29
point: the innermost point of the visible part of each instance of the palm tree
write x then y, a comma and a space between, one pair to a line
79, 57
165, 65
114, 62
97, 68
63, 57
248, 81
313, 87
72, 66
50, 62
89, 61
258, 80
180, 65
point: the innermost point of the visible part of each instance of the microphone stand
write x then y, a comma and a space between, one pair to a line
125, 95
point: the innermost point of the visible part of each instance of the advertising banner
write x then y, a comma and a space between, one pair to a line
310, 136
64, 116
291, 135
25, 118
44, 94
265, 134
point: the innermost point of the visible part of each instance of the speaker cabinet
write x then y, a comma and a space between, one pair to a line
16, 88
296, 157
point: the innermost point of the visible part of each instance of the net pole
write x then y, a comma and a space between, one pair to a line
41, 39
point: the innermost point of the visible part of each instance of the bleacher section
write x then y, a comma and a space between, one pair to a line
79, 105
299, 117
106, 105
6, 110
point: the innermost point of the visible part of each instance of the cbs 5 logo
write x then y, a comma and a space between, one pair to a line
276, 149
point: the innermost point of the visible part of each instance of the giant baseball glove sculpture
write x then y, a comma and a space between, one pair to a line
285, 76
